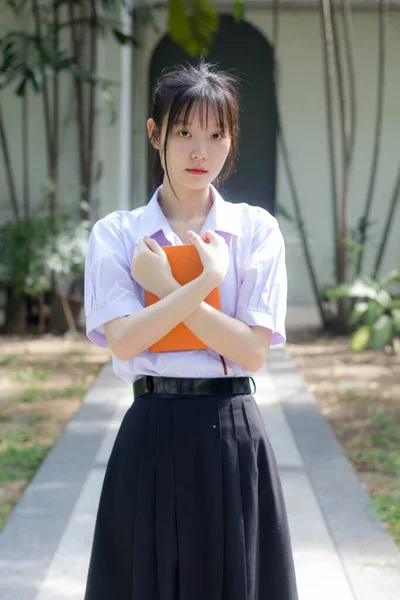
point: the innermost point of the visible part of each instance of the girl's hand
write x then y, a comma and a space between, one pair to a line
151, 269
214, 254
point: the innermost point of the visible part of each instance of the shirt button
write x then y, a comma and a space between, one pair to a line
200, 374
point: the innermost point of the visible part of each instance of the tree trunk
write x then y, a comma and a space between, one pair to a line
64, 313
15, 322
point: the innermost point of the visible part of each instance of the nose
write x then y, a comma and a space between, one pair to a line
199, 152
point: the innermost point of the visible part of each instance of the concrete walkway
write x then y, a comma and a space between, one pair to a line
341, 551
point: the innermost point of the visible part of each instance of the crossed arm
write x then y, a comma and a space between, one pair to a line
235, 340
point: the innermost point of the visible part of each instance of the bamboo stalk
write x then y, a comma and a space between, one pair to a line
8, 168
329, 76
383, 12
344, 129
79, 97
25, 144
92, 100
56, 91
46, 103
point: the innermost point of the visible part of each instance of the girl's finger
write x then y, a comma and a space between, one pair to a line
213, 238
196, 239
153, 245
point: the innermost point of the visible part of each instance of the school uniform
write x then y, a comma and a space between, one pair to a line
191, 506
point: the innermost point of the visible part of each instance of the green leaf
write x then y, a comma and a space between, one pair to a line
193, 25
384, 299
369, 281
396, 319
374, 311
123, 39
382, 332
338, 291
20, 91
358, 289
394, 304
360, 338
239, 10
393, 275
357, 313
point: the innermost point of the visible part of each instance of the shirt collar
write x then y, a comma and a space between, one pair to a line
221, 218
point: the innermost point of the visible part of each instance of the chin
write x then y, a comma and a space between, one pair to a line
200, 184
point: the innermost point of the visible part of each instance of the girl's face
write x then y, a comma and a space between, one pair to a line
195, 155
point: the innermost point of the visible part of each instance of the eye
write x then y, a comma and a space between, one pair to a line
217, 138
181, 133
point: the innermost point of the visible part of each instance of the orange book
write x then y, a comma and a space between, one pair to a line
185, 266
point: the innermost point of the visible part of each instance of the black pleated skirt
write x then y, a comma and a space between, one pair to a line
191, 506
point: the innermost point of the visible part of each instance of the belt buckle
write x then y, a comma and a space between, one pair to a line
149, 381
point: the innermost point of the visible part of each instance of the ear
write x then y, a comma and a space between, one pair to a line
153, 134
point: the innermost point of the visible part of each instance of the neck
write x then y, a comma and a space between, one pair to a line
186, 205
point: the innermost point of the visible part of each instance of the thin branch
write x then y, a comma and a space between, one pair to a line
388, 225
349, 44
383, 13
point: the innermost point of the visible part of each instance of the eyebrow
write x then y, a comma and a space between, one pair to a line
183, 124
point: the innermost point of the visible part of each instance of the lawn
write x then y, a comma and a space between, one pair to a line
43, 380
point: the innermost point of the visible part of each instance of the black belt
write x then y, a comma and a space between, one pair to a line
194, 386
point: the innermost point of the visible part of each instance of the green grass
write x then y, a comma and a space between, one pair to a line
30, 395
35, 417
382, 449
34, 393
351, 395
381, 452
6, 418
78, 353
21, 461
388, 510
10, 359
6, 507
72, 390
30, 377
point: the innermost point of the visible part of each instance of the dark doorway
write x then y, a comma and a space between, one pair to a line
241, 49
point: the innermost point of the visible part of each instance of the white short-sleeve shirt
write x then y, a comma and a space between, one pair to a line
254, 289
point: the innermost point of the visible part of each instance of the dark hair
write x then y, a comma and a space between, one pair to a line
184, 87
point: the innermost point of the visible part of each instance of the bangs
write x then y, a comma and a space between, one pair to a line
208, 103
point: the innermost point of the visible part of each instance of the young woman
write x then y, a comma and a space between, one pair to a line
191, 506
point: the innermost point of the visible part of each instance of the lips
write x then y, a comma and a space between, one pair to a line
199, 171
